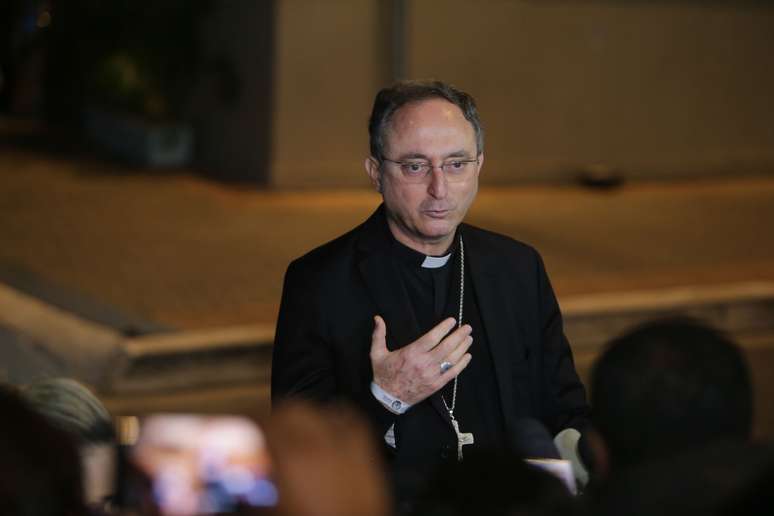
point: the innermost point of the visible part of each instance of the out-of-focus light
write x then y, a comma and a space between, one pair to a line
44, 19
263, 494
128, 430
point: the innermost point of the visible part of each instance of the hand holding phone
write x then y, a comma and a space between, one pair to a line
199, 464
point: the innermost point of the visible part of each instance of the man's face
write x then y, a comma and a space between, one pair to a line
424, 215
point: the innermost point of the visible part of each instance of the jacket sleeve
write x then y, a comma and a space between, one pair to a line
304, 361
564, 397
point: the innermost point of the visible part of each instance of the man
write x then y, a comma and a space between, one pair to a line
449, 337
664, 388
70, 406
40, 472
671, 422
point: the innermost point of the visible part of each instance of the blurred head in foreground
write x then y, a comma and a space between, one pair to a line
325, 462
74, 409
721, 478
666, 387
494, 483
40, 473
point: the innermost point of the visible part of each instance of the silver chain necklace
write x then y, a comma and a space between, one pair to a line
449, 409
462, 438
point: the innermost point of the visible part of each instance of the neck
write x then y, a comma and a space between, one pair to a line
430, 247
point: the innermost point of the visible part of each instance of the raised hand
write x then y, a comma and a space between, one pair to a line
414, 372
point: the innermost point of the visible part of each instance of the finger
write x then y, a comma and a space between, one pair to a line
456, 369
379, 339
450, 343
431, 339
456, 353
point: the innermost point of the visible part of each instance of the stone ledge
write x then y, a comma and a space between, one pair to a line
60, 340
115, 363
667, 298
741, 309
205, 357
200, 340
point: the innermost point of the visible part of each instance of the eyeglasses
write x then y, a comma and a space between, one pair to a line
418, 170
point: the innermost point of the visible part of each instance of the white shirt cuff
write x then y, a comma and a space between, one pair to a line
390, 402
566, 442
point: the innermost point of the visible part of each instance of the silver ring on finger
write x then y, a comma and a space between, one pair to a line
445, 366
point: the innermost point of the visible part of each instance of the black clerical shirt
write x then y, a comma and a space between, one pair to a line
435, 295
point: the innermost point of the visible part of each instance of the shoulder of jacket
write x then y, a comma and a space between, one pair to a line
498, 243
331, 255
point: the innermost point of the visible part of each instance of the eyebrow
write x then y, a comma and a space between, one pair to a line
418, 155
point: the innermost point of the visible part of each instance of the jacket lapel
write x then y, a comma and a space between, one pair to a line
382, 279
497, 306
391, 299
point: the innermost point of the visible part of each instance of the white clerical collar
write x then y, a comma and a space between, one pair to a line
435, 262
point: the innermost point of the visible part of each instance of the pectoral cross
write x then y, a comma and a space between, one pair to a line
462, 438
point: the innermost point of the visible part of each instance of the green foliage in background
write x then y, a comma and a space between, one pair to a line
138, 56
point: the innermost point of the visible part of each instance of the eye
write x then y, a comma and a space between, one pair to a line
454, 166
414, 167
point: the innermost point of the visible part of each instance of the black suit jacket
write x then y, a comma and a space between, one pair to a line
331, 294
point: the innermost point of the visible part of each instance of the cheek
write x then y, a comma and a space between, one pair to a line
402, 200
473, 193
394, 204
466, 194
473, 190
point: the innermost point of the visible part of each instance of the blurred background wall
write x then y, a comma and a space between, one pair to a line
656, 89
111, 247
279, 91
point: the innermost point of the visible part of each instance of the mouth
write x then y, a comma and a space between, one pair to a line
437, 214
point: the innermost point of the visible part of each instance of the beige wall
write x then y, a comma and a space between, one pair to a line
328, 67
657, 89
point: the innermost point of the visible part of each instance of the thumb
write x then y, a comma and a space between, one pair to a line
379, 339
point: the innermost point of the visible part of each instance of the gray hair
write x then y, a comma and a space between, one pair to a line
392, 98
70, 406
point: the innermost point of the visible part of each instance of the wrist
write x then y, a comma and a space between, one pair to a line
393, 404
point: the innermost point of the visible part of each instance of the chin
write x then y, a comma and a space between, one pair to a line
438, 231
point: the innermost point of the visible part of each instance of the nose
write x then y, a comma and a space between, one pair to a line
437, 186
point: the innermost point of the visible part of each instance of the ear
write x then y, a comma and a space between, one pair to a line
480, 163
374, 172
